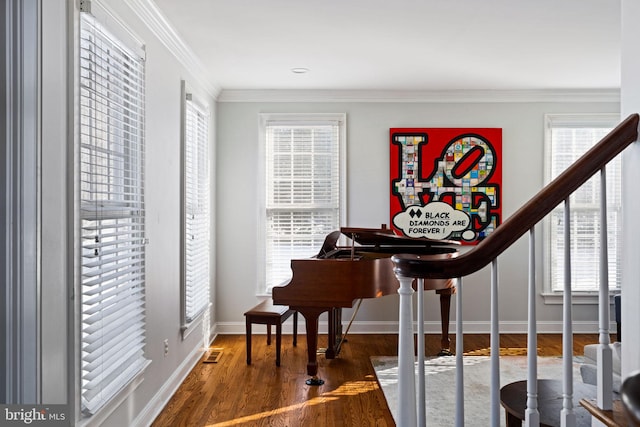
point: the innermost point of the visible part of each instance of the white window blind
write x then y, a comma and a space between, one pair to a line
111, 197
303, 191
196, 210
568, 137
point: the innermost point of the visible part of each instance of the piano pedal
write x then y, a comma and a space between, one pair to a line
314, 381
321, 351
445, 352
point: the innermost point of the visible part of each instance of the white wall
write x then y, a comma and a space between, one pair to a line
630, 95
162, 195
368, 126
55, 275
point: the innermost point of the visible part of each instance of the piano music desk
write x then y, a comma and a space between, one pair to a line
266, 313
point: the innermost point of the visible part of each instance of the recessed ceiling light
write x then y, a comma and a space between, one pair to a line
299, 70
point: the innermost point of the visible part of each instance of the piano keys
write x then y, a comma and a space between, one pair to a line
340, 275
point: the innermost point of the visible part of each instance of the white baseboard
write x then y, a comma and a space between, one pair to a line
431, 327
166, 392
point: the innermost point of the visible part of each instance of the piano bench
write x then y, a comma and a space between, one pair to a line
266, 313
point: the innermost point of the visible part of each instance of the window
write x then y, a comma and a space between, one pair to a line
111, 211
195, 231
567, 138
304, 185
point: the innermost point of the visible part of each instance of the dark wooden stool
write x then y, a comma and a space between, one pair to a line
513, 398
266, 313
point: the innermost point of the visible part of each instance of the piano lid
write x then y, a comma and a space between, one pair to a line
387, 237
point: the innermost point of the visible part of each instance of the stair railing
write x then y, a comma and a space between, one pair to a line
409, 267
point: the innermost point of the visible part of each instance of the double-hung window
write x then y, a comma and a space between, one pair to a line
111, 214
304, 158
195, 202
567, 137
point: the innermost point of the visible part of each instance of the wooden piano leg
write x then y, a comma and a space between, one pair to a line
338, 327
445, 309
335, 333
330, 353
311, 315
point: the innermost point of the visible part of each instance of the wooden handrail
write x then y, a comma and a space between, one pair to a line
528, 215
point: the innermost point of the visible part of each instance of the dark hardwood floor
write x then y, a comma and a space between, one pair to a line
230, 393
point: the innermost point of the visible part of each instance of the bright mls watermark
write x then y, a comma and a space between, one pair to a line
36, 415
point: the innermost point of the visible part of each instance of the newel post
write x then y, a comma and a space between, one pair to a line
406, 370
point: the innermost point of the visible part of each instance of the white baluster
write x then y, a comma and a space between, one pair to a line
495, 347
567, 416
420, 342
459, 355
532, 415
406, 371
604, 357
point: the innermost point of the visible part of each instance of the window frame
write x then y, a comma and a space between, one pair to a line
195, 287
585, 120
311, 119
125, 41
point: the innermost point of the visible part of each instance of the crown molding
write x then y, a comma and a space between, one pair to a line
149, 13
434, 96
159, 25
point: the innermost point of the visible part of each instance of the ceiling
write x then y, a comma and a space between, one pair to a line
402, 44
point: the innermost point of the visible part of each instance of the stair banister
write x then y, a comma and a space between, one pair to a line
407, 415
407, 267
604, 354
532, 212
567, 416
495, 347
459, 420
422, 413
532, 415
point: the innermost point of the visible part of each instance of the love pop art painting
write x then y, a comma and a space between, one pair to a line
446, 182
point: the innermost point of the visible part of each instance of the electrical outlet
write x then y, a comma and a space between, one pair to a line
166, 347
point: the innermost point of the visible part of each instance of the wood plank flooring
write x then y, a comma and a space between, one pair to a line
231, 393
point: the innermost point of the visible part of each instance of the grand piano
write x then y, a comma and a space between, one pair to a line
338, 276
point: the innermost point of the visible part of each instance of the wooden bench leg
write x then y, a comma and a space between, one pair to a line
248, 335
268, 333
278, 341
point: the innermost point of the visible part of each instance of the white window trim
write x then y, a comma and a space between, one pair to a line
298, 118
189, 325
556, 297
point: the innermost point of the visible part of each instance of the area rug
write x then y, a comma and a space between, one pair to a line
440, 384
